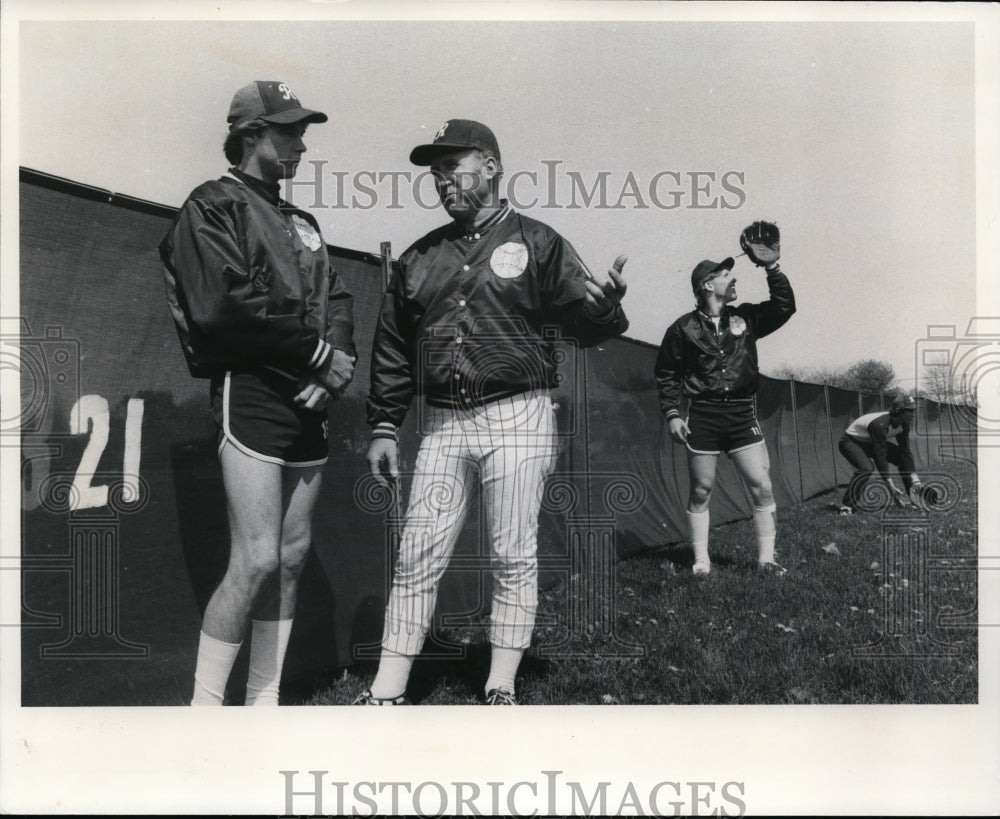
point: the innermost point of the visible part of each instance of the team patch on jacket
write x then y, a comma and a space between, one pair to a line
737, 326
307, 233
509, 260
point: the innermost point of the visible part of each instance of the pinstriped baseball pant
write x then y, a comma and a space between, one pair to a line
510, 445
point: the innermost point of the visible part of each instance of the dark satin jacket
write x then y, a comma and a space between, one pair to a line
249, 282
700, 363
469, 319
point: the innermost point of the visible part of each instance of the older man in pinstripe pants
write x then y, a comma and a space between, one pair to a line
467, 325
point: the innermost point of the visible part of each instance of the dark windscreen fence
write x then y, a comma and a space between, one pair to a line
124, 530
815, 439
872, 403
777, 421
124, 578
935, 422
843, 408
629, 479
962, 424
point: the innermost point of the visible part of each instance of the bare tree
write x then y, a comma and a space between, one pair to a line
941, 385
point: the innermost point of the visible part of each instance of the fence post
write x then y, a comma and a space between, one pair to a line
386, 249
585, 389
829, 428
394, 512
795, 431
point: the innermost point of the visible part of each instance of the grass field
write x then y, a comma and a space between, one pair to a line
744, 637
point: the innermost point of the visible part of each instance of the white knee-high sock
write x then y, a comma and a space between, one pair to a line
393, 674
698, 532
215, 661
504, 663
765, 520
268, 643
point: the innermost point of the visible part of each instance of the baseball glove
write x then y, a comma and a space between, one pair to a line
761, 241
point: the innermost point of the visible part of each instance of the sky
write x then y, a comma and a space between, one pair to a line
857, 138
868, 132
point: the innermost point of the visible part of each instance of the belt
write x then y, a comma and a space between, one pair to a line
721, 401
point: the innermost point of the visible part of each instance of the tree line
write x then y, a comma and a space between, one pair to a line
871, 376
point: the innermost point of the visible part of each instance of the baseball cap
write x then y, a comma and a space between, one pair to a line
707, 270
454, 134
901, 402
271, 101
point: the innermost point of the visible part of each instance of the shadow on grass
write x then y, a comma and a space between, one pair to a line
681, 557
464, 676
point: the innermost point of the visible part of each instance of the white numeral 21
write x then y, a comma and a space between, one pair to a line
91, 413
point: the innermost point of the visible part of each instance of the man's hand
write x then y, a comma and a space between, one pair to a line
338, 373
603, 297
678, 429
383, 459
312, 394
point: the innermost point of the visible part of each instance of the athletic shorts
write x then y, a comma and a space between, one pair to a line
254, 412
723, 427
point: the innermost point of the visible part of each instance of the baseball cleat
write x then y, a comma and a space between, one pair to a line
844, 509
500, 696
772, 568
366, 698
701, 567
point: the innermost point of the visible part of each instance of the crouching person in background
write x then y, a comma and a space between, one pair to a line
873, 442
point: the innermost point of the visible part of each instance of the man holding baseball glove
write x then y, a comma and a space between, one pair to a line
709, 356
882, 438
467, 325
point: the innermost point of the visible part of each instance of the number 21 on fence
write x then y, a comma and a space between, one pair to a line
92, 414
94, 409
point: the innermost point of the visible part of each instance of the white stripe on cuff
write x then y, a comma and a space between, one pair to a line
320, 356
384, 429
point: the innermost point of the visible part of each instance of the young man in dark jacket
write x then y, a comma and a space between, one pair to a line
709, 357
260, 311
